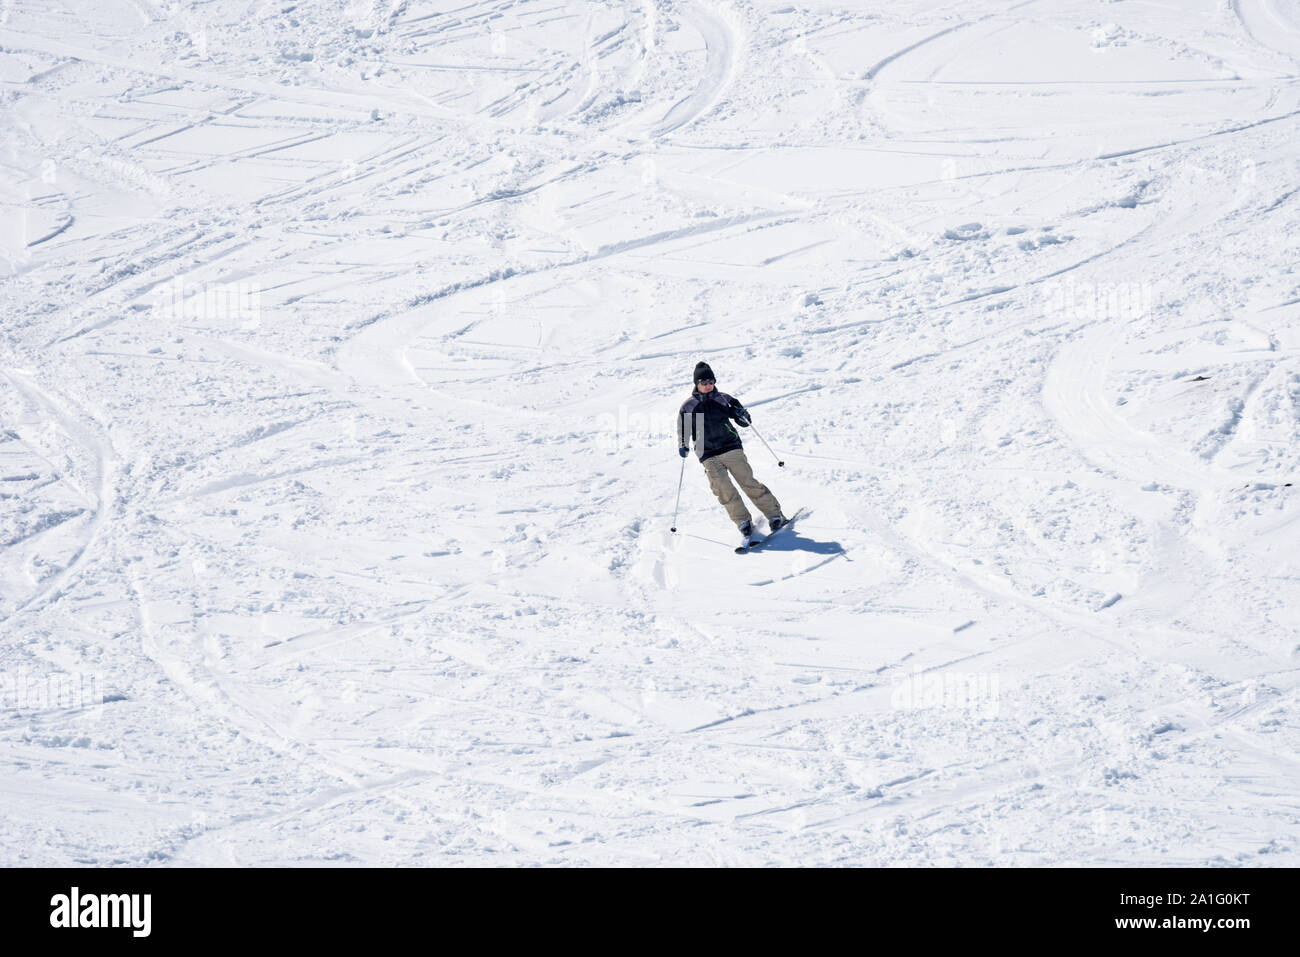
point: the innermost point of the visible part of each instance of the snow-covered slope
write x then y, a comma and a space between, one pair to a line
341, 347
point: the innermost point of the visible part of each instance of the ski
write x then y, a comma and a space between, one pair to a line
798, 514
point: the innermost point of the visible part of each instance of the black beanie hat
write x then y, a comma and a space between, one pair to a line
702, 371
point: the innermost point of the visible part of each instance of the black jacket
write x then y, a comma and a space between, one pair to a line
705, 423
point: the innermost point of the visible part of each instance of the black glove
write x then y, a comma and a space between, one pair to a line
743, 419
683, 451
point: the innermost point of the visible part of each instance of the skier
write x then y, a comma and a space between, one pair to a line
705, 421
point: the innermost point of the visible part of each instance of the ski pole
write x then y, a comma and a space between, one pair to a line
676, 507
779, 463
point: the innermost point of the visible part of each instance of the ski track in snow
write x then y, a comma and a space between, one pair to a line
370, 554
89, 440
721, 52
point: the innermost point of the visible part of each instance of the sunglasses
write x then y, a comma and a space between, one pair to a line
705, 382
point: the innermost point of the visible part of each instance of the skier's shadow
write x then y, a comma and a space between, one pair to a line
792, 541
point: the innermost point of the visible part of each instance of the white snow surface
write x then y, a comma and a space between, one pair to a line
341, 347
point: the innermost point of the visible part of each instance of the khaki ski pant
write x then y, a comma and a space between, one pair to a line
721, 469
